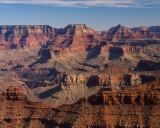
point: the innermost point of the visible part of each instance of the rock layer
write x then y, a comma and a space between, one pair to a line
106, 80
21, 36
132, 107
64, 65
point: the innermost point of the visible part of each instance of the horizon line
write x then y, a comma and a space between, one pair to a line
79, 24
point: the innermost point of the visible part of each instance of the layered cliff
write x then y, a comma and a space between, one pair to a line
74, 62
119, 33
21, 36
71, 38
75, 37
131, 107
116, 80
122, 33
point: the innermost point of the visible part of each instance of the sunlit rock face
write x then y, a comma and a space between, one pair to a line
21, 36
122, 33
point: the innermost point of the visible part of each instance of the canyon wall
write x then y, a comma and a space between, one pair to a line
116, 80
130, 107
21, 36
73, 35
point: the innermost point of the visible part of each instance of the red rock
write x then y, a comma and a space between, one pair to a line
131, 107
122, 33
25, 35
76, 37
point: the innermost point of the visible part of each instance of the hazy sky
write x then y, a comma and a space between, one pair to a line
99, 14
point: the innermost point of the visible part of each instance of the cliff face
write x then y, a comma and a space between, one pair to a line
122, 33
127, 108
75, 37
116, 80
71, 38
132, 107
118, 33
18, 112
21, 36
76, 29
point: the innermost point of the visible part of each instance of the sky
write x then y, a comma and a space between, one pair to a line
98, 14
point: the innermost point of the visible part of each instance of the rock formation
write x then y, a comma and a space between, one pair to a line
103, 80
103, 77
72, 35
21, 36
131, 107
118, 33
75, 37
122, 33
143, 28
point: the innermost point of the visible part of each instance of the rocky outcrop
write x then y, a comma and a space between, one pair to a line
13, 93
21, 36
116, 80
17, 111
76, 29
130, 107
65, 50
126, 108
118, 33
131, 49
75, 37
143, 95
122, 33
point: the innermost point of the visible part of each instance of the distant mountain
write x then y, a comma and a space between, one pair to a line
139, 29
143, 28
21, 36
76, 29
119, 32
122, 33
154, 28
75, 37
72, 35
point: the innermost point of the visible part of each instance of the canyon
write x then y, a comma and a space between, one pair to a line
56, 77
136, 106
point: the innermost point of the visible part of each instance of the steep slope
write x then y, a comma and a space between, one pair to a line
118, 33
75, 37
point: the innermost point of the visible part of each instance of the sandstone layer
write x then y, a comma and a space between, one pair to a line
130, 107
